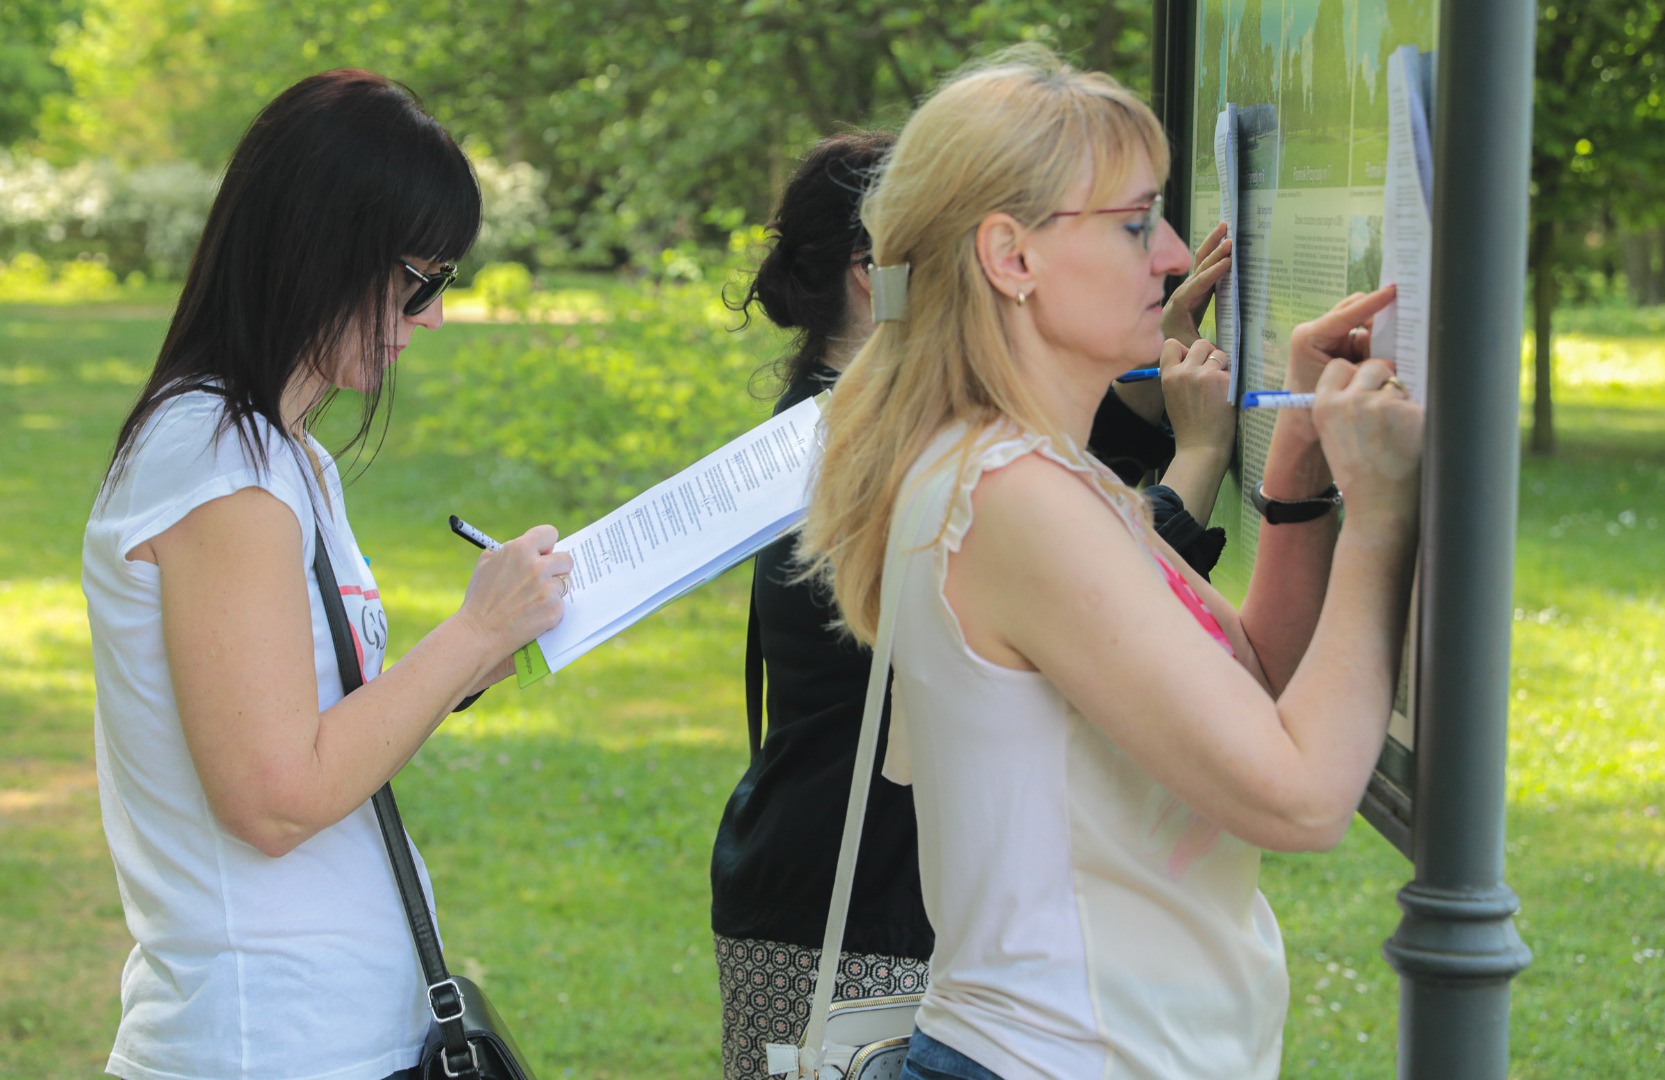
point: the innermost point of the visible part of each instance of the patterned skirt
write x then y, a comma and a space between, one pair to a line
766, 988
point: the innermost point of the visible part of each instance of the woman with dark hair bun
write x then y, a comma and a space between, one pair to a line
777, 844
814, 278
234, 773
772, 866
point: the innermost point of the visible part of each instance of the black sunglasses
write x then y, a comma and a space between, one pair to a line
428, 286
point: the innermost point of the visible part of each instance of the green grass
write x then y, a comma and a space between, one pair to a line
568, 826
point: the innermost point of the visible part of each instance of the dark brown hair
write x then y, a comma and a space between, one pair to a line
816, 233
336, 180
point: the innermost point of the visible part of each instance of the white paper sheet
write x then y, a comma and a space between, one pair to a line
1227, 324
1401, 332
685, 531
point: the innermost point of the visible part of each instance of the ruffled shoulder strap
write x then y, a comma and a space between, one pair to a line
971, 454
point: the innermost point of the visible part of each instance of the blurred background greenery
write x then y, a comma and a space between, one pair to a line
639, 135
604, 133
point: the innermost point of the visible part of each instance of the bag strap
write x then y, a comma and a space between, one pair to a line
444, 997
812, 1050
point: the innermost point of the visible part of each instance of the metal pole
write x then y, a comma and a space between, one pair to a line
1172, 91
1456, 947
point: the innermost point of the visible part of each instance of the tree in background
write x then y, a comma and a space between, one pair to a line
28, 31
1598, 149
651, 123
625, 128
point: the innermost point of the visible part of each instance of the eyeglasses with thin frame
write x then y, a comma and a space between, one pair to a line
1144, 228
428, 286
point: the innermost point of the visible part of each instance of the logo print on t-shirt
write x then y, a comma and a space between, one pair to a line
371, 630
372, 620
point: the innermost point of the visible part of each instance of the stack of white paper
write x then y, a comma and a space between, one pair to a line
1227, 324
1401, 331
681, 533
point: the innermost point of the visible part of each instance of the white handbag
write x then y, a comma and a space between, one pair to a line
859, 1038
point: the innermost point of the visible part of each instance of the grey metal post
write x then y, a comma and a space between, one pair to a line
1456, 947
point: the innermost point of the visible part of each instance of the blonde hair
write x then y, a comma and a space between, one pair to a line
1008, 135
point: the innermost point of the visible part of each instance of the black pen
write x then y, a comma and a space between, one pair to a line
524, 664
472, 535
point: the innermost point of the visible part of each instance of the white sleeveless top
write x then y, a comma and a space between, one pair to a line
245, 965
1088, 923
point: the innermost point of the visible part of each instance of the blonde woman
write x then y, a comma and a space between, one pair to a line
1100, 746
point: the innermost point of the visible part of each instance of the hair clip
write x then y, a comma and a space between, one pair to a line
890, 291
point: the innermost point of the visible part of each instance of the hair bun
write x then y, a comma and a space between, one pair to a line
777, 288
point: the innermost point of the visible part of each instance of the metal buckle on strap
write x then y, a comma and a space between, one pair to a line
473, 1057
445, 1006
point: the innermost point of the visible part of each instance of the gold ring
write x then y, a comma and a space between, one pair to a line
1218, 357
1393, 381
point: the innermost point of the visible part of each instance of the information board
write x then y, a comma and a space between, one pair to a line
1311, 77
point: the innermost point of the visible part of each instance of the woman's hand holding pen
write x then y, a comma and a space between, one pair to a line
517, 591
1371, 432
1296, 466
1342, 333
1181, 315
1195, 384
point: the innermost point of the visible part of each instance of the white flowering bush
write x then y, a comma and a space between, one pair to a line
515, 220
146, 219
166, 206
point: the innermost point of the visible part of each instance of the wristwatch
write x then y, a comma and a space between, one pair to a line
1278, 512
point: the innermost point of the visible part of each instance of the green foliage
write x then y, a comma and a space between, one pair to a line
621, 133
1599, 118
504, 289
28, 73
28, 278
87, 279
515, 217
25, 275
644, 124
601, 400
1598, 135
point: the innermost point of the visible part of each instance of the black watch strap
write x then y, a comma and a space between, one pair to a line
1278, 512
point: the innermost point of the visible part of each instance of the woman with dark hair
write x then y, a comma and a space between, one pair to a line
777, 844
233, 772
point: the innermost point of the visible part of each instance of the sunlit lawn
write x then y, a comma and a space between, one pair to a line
568, 827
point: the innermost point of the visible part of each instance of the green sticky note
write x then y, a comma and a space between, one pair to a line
530, 665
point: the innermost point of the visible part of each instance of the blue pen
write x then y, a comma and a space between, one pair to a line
1276, 399
1140, 374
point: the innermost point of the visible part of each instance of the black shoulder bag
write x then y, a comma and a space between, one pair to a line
468, 1040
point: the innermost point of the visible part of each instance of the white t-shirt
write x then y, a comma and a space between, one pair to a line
1088, 923
246, 966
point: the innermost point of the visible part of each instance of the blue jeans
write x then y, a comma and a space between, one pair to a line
932, 1060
